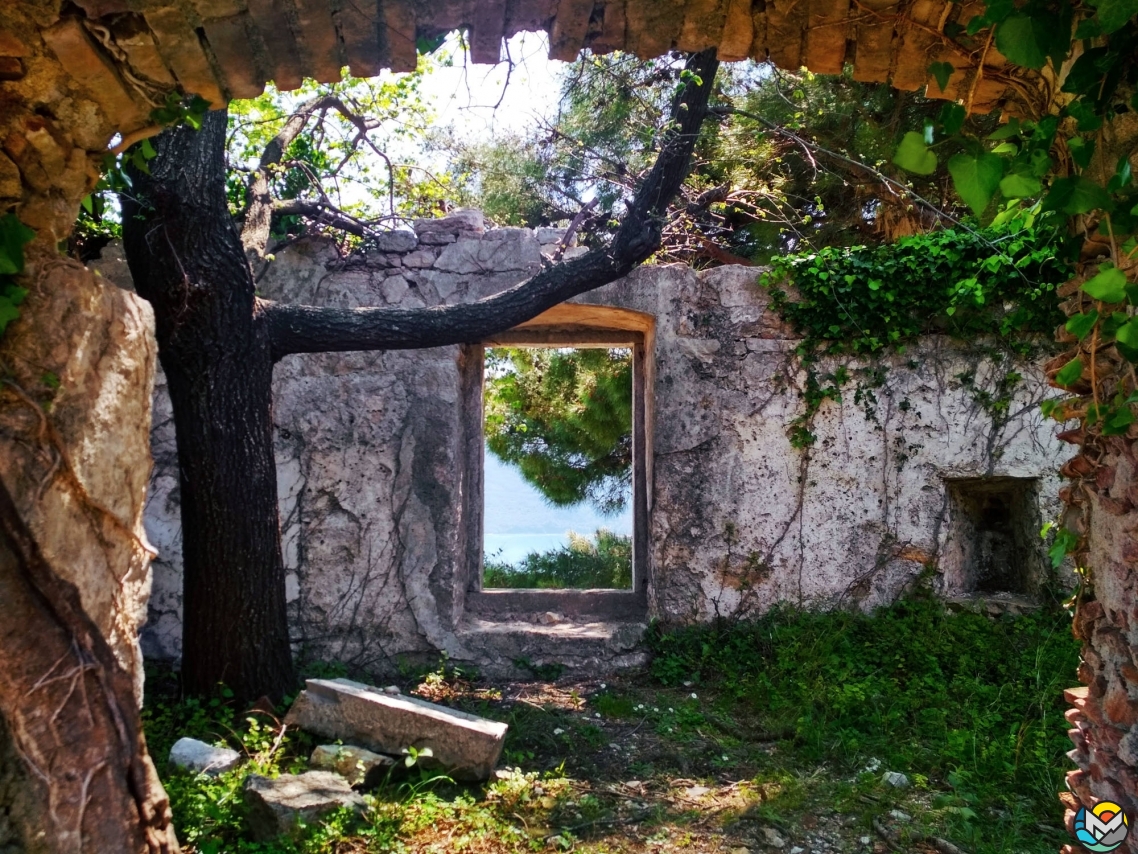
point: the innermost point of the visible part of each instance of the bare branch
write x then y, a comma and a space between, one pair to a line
311, 329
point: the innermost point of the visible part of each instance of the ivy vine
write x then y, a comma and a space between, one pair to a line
13, 236
998, 282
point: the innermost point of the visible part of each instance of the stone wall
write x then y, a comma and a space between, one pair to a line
377, 467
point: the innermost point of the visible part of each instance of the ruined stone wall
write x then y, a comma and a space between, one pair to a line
376, 465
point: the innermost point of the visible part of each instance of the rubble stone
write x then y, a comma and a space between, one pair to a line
465, 746
193, 755
399, 240
277, 806
355, 764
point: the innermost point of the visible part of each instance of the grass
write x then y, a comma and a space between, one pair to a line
734, 732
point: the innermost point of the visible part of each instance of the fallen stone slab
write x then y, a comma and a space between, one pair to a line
355, 764
465, 746
277, 806
193, 755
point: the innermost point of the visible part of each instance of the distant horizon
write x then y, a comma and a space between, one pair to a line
518, 519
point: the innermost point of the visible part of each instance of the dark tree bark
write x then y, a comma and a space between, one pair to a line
217, 344
187, 259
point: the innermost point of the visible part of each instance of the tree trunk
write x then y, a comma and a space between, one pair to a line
187, 260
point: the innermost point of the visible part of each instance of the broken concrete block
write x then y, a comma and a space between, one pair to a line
278, 806
194, 755
467, 747
354, 764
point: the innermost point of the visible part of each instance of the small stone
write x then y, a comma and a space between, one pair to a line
420, 259
399, 240
696, 791
865, 840
194, 755
900, 816
772, 838
895, 779
549, 618
741, 850
277, 806
392, 689
574, 252
354, 764
797, 849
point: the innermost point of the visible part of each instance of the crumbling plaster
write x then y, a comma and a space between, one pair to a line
376, 471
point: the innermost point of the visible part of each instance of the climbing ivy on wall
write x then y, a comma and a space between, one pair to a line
963, 282
13, 235
997, 282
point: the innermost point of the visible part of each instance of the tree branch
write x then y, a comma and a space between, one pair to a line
311, 329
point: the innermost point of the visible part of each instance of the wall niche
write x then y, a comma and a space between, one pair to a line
993, 544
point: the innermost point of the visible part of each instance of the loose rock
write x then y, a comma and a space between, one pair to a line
772, 838
194, 755
277, 806
895, 779
355, 764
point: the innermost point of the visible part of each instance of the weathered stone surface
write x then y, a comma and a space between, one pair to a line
462, 221
193, 755
374, 480
395, 241
355, 764
80, 485
465, 746
486, 256
278, 806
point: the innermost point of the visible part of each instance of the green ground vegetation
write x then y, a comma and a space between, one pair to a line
734, 732
604, 561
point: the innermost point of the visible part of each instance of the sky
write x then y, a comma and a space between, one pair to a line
480, 100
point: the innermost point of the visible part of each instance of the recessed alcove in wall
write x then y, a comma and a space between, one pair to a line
993, 543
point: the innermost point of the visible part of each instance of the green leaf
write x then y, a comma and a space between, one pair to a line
1117, 421
8, 313
1020, 186
1115, 14
1109, 285
976, 178
1006, 131
1076, 195
913, 155
1081, 324
1082, 150
1070, 373
952, 118
942, 73
1021, 38
13, 235
1126, 340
